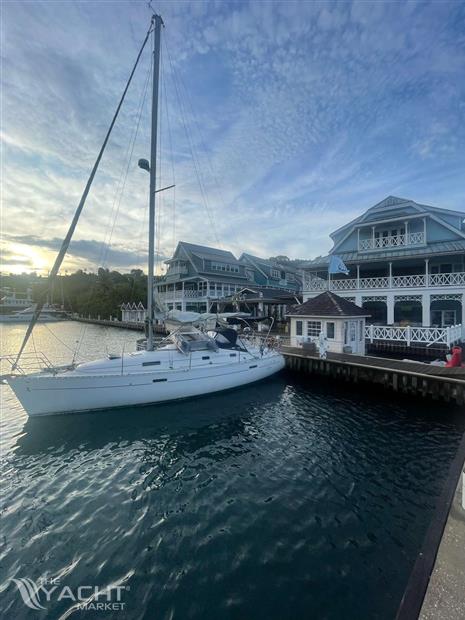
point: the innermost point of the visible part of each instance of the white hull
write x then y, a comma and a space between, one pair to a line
108, 384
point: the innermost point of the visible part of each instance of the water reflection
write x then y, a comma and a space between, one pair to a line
194, 422
291, 498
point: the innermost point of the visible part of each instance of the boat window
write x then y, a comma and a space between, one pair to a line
151, 363
158, 380
254, 366
205, 357
232, 354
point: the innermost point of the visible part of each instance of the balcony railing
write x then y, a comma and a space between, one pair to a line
433, 280
409, 335
392, 241
177, 271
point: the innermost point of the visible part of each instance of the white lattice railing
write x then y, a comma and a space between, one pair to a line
382, 282
447, 279
315, 284
409, 281
392, 241
343, 284
414, 335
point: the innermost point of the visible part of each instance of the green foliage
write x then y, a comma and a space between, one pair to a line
95, 294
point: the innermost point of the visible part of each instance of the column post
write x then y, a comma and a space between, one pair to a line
390, 303
463, 315
406, 232
426, 272
373, 237
390, 275
426, 309
358, 277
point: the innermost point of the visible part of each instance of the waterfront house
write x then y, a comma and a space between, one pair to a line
272, 273
133, 313
259, 301
341, 321
406, 262
201, 279
197, 276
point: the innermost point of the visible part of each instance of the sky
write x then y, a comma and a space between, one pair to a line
279, 122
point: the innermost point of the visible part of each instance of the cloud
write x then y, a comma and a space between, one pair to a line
83, 251
281, 121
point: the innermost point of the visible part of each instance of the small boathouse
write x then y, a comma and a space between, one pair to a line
339, 320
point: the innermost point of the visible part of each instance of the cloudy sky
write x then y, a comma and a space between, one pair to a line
279, 123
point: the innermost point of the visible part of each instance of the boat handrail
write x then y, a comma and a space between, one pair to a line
30, 362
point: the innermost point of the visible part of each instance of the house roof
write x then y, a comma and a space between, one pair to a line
394, 202
204, 252
441, 247
265, 294
270, 264
328, 304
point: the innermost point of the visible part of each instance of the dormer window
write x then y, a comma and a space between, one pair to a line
225, 267
275, 273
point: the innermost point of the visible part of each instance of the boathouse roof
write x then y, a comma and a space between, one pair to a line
328, 304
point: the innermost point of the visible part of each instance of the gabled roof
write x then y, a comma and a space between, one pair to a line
328, 305
392, 203
203, 251
265, 293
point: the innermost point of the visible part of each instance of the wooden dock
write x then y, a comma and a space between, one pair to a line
414, 378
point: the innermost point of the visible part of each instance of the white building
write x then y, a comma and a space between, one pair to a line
133, 313
341, 322
407, 268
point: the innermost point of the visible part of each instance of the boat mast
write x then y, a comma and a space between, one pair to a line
157, 20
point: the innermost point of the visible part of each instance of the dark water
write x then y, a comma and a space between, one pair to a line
287, 499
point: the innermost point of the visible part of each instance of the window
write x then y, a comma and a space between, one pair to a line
275, 273
249, 274
330, 330
313, 328
353, 330
290, 277
224, 267
298, 328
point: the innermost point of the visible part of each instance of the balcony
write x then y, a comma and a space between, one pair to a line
392, 241
177, 270
432, 280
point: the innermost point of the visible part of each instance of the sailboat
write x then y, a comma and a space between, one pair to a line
191, 363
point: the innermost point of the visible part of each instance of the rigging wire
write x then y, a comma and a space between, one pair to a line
182, 108
66, 241
171, 150
106, 244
